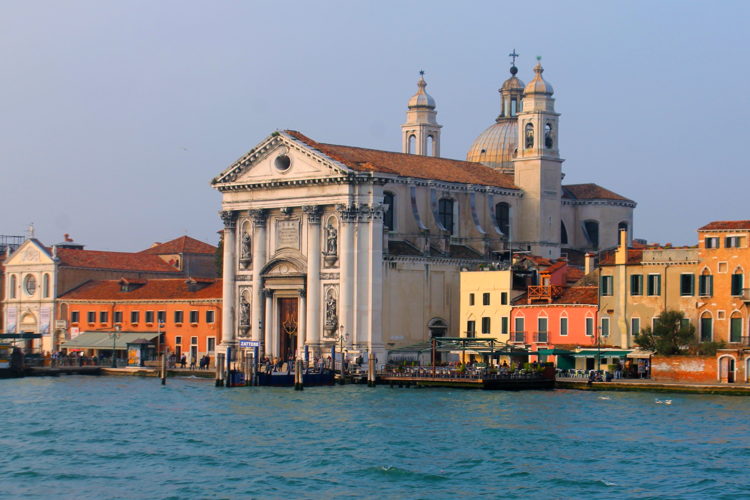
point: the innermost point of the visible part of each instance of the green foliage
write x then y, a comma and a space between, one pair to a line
219, 256
669, 335
706, 348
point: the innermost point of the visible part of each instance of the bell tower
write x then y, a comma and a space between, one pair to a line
421, 133
538, 169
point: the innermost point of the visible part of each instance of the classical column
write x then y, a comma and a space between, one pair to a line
360, 336
301, 326
259, 261
375, 343
346, 279
229, 218
313, 323
270, 347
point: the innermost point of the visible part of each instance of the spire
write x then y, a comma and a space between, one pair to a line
510, 92
421, 132
538, 85
421, 99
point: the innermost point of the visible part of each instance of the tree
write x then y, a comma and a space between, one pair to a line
670, 334
219, 256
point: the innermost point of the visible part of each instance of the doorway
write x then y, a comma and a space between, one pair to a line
726, 369
288, 316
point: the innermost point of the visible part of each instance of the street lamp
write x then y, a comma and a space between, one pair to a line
599, 348
115, 335
343, 337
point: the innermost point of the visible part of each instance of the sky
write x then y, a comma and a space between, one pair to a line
115, 116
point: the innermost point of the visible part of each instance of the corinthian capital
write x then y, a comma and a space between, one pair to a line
259, 216
229, 217
313, 213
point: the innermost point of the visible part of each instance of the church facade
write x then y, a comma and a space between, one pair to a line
337, 245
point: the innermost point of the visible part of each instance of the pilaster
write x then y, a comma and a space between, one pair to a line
229, 218
313, 323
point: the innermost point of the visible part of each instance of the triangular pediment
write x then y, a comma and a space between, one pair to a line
280, 158
30, 252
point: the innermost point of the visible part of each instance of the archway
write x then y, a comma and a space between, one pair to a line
726, 369
29, 324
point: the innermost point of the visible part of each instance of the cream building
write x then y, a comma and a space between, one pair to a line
327, 244
486, 298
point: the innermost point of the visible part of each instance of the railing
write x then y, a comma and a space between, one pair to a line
518, 337
543, 292
542, 337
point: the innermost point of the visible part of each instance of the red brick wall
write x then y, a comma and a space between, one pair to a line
688, 369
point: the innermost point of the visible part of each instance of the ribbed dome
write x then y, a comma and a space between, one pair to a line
496, 146
538, 85
422, 99
512, 83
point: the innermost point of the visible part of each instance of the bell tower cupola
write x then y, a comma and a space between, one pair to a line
421, 133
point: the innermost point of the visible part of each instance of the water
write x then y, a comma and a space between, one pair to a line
111, 437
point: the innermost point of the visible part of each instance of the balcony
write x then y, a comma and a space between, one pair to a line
541, 337
543, 293
517, 337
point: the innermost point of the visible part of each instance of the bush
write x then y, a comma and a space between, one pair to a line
706, 348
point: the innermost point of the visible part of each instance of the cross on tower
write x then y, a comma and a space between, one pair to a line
421, 72
513, 56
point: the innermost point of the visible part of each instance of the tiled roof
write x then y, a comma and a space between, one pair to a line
590, 192
124, 261
725, 225
183, 244
409, 165
162, 289
635, 256
579, 295
574, 274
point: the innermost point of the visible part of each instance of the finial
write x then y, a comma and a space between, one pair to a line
539, 58
421, 72
513, 56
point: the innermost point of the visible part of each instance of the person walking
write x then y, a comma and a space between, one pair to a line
183, 361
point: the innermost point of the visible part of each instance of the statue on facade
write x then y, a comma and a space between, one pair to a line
245, 251
244, 315
331, 237
331, 320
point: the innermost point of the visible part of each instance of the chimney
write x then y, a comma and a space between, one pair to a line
621, 254
588, 262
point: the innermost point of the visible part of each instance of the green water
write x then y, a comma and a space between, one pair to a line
107, 437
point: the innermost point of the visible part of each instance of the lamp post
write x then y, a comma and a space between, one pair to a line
115, 335
343, 337
599, 348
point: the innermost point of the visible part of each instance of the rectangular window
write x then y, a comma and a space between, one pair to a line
471, 328
149, 316
605, 285
471, 299
504, 325
684, 323
161, 316
636, 284
590, 327
711, 242
91, 317
74, 316
735, 329
210, 344
118, 316
635, 326
178, 341
193, 316
732, 242
210, 317
654, 284
706, 285
563, 327
687, 284
485, 299
504, 298
135, 316
486, 326
519, 326
541, 325
178, 317
706, 329
737, 283
605, 327
193, 340
103, 316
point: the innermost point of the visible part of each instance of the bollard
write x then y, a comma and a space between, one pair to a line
298, 380
371, 372
164, 369
219, 363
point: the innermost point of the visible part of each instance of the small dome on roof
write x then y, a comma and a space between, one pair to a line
512, 83
538, 85
422, 99
496, 146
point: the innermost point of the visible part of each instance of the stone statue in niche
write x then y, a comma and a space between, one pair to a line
245, 251
332, 320
244, 315
330, 254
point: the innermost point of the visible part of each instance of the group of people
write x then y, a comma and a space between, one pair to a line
204, 363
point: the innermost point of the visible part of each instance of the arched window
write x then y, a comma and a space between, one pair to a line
622, 226
705, 284
45, 285
502, 215
438, 327
529, 136
563, 234
706, 327
513, 106
12, 286
430, 146
388, 199
548, 136
445, 214
412, 144
735, 327
591, 231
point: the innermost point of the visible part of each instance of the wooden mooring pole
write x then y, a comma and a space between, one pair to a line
163, 373
371, 370
298, 376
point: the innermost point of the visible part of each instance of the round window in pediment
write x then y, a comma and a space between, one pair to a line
29, 284
282, 163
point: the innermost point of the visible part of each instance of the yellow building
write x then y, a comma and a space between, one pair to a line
485, 304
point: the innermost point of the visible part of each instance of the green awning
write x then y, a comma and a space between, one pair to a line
557, 352
103, 340
591, 353
22, 336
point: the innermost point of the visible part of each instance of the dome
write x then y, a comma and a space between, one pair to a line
512, 83
538, 85
496, 146
422, 99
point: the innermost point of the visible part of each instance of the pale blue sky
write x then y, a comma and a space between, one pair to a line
114, 116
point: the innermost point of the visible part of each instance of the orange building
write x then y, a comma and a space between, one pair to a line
185, 315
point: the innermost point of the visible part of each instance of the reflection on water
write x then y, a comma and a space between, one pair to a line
76, 437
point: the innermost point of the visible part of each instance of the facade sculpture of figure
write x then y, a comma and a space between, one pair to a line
331, 318
331, 236
244, 312
245, 250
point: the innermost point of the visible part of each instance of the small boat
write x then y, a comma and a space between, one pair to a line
286, 379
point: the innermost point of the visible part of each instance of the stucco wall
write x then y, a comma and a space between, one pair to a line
689, 369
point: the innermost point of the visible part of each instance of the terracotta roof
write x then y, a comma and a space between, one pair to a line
409, 165
554, 267
635, 256
579, 295
113, 260
725, 224
574, 274
166, 289
183, 244
590, 192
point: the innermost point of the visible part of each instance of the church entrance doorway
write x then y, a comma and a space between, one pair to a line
288, 316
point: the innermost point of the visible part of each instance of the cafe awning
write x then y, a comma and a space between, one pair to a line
103, 340
20, 336
592, 353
